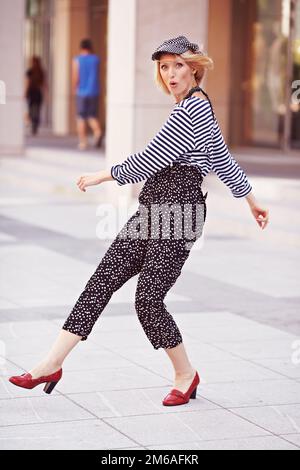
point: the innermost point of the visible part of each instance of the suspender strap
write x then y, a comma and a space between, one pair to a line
213, 114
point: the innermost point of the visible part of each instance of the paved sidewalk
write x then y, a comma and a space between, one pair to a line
236, 304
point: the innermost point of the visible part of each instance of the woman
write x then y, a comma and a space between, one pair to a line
187, 148
34, 90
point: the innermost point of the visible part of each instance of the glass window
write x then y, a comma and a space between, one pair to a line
34, 7
260, 46
295, 105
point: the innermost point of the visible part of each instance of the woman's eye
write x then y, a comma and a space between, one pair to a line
164, 66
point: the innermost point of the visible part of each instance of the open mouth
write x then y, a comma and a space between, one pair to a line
173, 83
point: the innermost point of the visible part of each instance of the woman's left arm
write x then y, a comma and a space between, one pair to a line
231, 173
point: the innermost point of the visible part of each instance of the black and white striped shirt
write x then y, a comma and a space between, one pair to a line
191, 135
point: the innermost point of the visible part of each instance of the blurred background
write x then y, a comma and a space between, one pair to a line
255, 45
254, 87
238, 296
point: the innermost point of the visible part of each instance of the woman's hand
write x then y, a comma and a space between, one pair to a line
261, 215
91, 179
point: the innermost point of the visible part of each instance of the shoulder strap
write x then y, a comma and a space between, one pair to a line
213, 114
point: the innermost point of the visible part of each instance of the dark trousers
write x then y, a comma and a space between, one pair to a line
155, 243
34, 102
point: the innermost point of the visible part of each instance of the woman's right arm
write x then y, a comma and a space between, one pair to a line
261, 215
174, 139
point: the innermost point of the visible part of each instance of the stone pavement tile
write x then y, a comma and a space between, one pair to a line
213, 371
146, 357
159, 365
282, 366
284, 268
7, 304
25, 330
33, 313
278, 419
125, 378
53, 152
134, 402
129, 448
83, 434
213, 319
50, 278
191, 319
118, 340
79, 359
252, 393
249, 443
293, 438
34, 338
153, 430
8, 368
240, 332
38, 343
22, 199
4, 237
236, 370
40, 409
272, 348
8, 390
197, 352
76, 220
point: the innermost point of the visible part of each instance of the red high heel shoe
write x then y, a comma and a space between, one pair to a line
176, 397
26, 380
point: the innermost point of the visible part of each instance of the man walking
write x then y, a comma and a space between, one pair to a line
86, 86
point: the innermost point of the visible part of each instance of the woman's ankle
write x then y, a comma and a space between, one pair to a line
185, 374
47, 364
53, 363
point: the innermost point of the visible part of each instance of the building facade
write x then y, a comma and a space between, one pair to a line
255, 85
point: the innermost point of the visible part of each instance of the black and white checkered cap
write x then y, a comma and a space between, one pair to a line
176, 45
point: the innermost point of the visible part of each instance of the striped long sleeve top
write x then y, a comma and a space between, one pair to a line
191, 135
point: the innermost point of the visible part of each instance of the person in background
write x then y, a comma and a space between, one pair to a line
35, 88
86, 86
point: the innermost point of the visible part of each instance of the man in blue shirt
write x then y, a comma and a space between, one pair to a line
86, 86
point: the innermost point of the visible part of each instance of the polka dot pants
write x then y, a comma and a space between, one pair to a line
155, 243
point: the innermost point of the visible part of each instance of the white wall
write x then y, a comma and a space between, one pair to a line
61, 67
121, 88
157, 21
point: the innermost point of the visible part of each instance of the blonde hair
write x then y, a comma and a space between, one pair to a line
200, 62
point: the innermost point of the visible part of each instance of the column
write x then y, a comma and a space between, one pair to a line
136, 107
12, 108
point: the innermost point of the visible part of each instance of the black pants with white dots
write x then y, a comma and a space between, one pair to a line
155, 243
